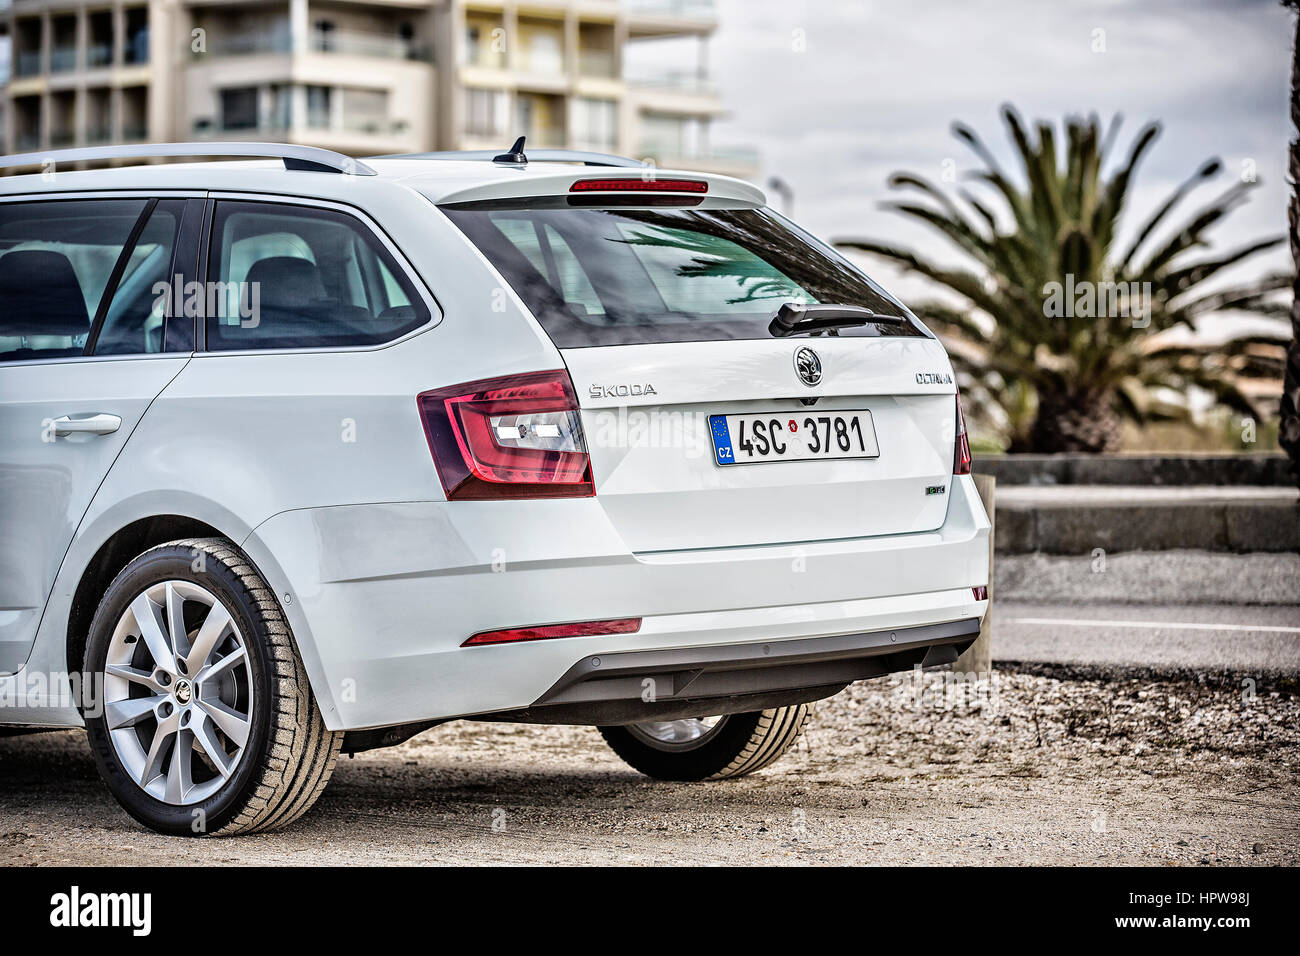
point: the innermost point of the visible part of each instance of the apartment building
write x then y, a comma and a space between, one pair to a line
365, 76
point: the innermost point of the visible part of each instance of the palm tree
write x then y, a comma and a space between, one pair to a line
1289, 428
1058, 330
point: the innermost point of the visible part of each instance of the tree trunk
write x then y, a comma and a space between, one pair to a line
1075, 422
1289, 430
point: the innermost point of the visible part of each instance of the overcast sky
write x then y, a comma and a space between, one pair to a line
877, 85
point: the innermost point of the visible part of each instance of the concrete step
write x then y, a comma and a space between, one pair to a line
1078, 519
1149, 577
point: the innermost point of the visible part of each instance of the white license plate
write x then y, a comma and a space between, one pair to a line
792, 436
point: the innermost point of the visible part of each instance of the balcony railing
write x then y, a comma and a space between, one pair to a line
63, 59
688, 9
359, 43
600, 63
374, 126
28, 63
666, 151
679, 81
99, 54
242, 45
348, 42
370, 126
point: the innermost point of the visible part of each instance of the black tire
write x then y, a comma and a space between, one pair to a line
739, 744
289, 754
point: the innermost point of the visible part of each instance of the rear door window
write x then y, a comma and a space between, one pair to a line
133, 322
283, 276
622, 275
56, 259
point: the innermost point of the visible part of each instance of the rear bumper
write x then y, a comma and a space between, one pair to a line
383, 596
633, 686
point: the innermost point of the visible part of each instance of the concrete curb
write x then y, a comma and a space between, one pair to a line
1262, 468
1076, 521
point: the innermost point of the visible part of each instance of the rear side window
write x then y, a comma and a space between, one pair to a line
56, 259
622, 276
283, 276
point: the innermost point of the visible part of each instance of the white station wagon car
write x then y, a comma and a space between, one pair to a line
304, 455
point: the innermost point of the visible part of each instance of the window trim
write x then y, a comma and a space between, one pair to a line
425, 294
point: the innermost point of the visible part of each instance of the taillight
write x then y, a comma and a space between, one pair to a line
639, 185
961, 455
625, 625
519, 436
981, 593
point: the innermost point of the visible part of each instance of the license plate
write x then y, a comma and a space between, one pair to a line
785, 436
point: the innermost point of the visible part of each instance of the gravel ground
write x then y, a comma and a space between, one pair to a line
1043, 765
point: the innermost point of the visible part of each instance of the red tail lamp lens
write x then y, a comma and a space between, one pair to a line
961, 456
544, 632
519, 436
981, 593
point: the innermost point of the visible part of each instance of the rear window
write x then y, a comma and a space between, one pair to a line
624, 276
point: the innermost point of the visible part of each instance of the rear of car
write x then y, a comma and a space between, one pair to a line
501, 442
738, 519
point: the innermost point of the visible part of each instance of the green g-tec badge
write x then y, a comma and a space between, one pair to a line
935, 489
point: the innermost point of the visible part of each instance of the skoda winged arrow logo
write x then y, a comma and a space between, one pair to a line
808, 365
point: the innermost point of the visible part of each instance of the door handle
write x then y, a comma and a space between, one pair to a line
90, 425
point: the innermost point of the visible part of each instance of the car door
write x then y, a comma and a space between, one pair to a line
86, 343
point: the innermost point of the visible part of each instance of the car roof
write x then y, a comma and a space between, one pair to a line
440, 180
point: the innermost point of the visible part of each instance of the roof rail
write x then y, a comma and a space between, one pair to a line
534, 156
305, 158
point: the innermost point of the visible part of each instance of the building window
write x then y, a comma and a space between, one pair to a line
365, 111
595, 124
543, 50
281, 106
668, 135
136, 48
485, 112
318, 107
239, 108
325, 35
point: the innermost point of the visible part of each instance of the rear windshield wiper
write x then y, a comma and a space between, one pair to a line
796, 319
